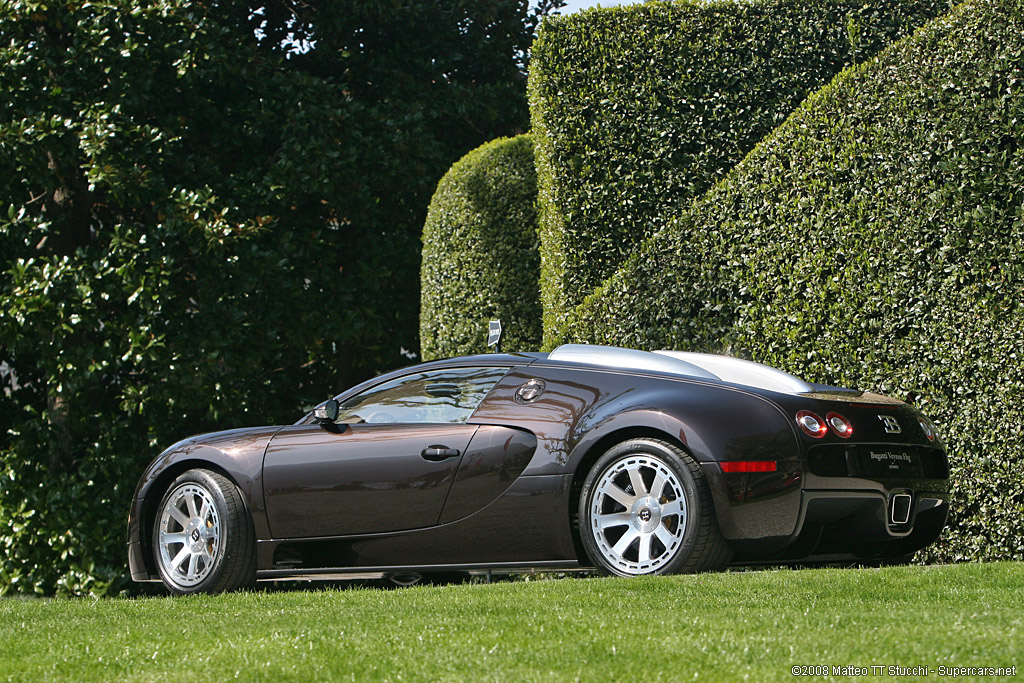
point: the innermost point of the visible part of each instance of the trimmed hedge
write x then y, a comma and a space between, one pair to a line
875, 240
636, 110
480, 253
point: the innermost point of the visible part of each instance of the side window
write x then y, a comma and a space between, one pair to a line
449, 395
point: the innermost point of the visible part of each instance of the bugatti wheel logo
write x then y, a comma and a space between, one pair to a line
645, 515
891, 425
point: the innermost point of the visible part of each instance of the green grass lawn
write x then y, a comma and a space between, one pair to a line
733, 626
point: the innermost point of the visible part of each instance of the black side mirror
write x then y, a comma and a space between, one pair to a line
326, 413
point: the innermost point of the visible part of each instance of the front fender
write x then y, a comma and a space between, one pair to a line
238, 453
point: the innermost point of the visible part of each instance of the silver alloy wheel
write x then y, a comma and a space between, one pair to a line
638, 514
190, 534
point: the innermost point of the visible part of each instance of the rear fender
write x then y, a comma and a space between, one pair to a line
712, 423
707, 423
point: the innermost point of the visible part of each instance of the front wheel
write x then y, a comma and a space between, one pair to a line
645, 508
203, 540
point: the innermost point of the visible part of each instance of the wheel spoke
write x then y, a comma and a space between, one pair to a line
180, 557
645, 548
190, 501
665, 536
626, 540
657, 486
671, 508
178, 515
639, 488
168, 539
618, 495
192, 565
614, 519
204, 511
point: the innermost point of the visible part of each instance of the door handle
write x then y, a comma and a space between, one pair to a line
439, 453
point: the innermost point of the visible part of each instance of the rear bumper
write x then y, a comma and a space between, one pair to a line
866, 525
853, 525
794, 514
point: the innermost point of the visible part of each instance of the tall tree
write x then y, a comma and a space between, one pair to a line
209, 216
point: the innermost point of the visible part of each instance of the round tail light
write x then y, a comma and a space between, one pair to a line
929, 429
811, 424
839, 425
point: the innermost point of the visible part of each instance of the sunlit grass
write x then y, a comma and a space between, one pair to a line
753, 625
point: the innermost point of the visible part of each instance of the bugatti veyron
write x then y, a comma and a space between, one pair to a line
628, 462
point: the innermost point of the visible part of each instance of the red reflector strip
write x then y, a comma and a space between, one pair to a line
749, 466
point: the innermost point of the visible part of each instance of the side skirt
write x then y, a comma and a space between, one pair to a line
329, 573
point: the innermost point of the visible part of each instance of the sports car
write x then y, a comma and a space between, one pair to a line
617, 460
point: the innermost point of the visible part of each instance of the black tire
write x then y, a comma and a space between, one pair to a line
672, 530
203, 539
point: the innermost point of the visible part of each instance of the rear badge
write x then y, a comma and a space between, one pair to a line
891, 425
530, 391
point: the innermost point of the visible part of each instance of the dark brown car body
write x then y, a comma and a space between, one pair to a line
359, 498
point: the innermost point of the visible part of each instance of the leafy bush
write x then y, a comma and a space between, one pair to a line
480, 253
637, 110
875, 240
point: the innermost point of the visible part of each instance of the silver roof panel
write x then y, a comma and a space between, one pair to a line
627, 359
702, 365
745, 372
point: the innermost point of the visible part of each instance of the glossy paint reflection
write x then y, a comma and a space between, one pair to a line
496, 458
364, 479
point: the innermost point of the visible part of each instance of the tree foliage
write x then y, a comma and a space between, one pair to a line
209, 216
638, 110
480, 253
875, 240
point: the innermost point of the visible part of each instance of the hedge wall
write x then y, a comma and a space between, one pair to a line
480, 253
636, 110
875, 240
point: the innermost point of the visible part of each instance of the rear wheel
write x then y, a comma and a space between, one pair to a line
645, 508
203, 540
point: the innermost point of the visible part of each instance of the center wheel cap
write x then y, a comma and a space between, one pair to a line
645, 515
195, 535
